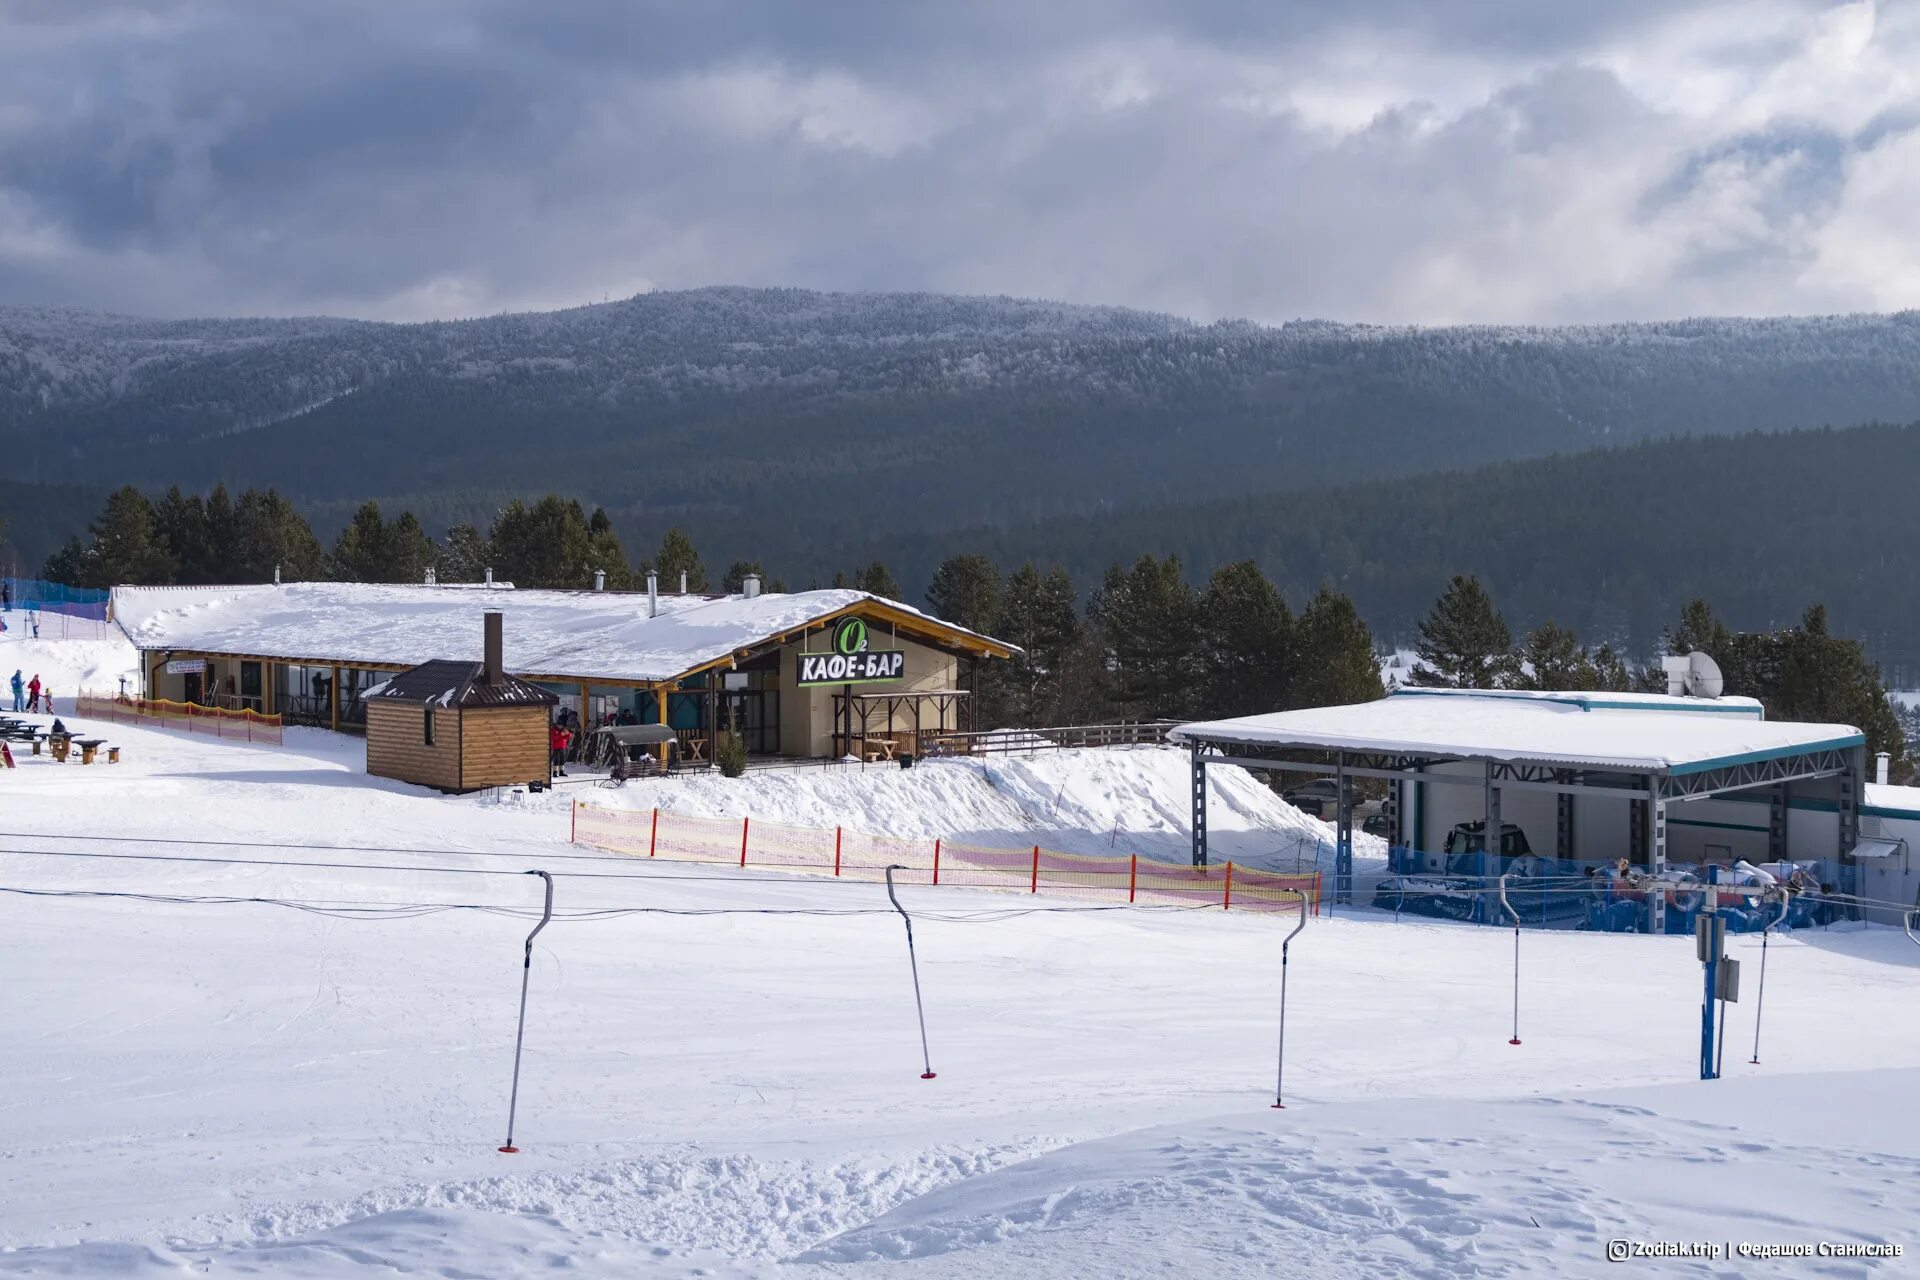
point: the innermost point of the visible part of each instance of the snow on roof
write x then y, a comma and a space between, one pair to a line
589, 634
1641, 732
1887, 800
1594, 700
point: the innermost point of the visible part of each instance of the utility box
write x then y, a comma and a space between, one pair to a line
1726, 980
1709, 936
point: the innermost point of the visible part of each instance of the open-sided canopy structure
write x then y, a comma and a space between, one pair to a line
1642, 750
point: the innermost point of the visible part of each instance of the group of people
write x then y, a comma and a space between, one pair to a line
560, 738
30, 695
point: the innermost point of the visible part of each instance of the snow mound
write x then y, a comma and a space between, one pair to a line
1096, 800
67, 666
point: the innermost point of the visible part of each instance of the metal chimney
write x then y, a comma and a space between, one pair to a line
750, 586
599, 579
1881, 759
276, 575
653, 594
493, 658
683, 582
430, 578
489, 575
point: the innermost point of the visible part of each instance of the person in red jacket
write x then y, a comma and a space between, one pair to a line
33, 693
559, 738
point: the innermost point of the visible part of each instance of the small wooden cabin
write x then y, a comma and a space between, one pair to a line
460, 726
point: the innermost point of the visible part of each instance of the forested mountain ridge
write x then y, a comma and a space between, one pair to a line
1609, 542
771, 411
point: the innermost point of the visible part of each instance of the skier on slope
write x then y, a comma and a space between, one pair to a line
19, 698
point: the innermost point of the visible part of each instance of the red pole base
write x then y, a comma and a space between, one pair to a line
1278, 1106
1515, 1040
512, 1151
927, 1075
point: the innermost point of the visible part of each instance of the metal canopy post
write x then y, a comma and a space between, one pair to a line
1343, 833
1563, 827
1777, 822
1199, 806
1849, 797
1491, 844
1657, 862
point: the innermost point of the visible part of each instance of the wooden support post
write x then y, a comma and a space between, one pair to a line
660, 705
936, 861
653, 836
1226, 898
836, 851
743, 840
1033, 886
1133, 876
333, 697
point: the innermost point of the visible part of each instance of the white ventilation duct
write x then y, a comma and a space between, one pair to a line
750, 586
489, 575
430, 578
599, 579
276, 575
653, 594
683, 582
1881, 761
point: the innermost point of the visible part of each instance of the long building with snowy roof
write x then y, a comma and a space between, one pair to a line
807, 673
1588, 777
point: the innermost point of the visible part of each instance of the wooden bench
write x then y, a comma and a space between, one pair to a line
60, 745
113, 755
87, 747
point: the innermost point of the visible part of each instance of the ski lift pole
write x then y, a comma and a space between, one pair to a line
520, 1034
1760, 1000
1516, 958
1280, 1072
913, 963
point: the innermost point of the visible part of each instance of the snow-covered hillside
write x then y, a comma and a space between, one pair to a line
271, 1033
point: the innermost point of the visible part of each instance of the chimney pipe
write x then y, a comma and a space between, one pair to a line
750, 586
494, 659
1881, 759
683, 582
489, 575
430, 577
653, 594
599, 579
276, 575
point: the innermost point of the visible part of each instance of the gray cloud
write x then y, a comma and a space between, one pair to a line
1378, 159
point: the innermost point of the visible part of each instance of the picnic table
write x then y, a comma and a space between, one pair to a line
87, 747
879, 748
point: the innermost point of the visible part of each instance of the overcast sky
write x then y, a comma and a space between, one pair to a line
1389, 160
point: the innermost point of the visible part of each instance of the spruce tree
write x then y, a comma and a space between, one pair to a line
1551, 658
360, 552
463, 556
127, 546
1336, 664
966, 592
268, 534
545, 545
877, 580
677, 556
1147, 620
735, 580
1246, 644
1464, 642
1038, 615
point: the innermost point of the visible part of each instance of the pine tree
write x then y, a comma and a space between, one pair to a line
737, 574
677, 556
1551, 658
1464, 642
1336, 656
545, 545
1246, 643
1038, 615
126, 546
463, 556
360, 552
966, 592
875, 580
1610, 671
1147, 620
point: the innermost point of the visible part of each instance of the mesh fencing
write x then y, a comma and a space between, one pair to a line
159, 713
860, 855
58, 598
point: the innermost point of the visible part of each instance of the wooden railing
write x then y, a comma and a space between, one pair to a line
1058, 737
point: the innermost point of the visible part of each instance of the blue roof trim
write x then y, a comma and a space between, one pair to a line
1882, 811
1592, 701
1775, 753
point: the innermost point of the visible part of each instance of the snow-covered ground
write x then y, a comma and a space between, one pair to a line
1121, 800
242, 1088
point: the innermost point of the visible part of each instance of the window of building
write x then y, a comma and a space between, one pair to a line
427, 724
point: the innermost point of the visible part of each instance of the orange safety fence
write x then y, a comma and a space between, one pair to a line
858, 855
159, 713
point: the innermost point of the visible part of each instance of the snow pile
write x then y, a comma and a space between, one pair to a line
1095, 800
